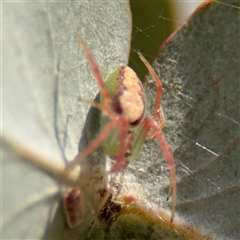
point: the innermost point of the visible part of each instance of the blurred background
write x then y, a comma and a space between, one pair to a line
153, 22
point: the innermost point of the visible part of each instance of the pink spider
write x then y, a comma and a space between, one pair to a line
124, 125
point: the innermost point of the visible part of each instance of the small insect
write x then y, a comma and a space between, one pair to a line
124, 125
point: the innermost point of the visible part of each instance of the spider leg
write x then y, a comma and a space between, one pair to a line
93, 145
121, 162
158, 112
96, 71
121, 159
169, 159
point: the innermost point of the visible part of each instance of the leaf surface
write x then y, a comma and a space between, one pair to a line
44, 73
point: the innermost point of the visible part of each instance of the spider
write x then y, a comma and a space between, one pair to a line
124, 124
